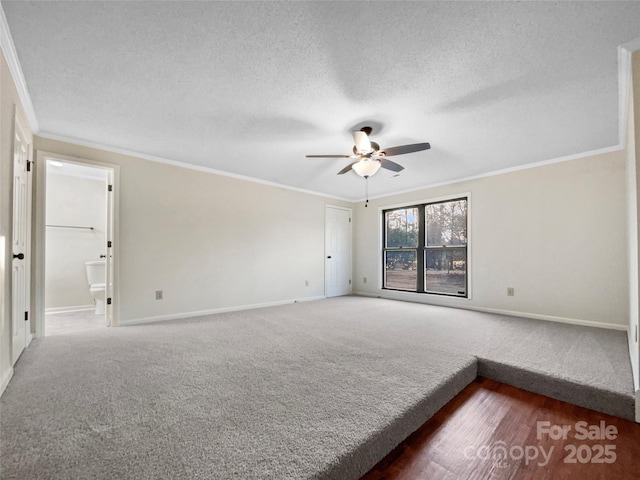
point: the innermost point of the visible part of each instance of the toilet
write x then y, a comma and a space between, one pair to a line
96, 279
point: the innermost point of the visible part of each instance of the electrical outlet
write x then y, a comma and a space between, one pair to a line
306, 283
158, 294
511, 292
364, 280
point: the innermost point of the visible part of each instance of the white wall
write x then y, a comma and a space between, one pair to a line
72, 201
555, 233
208, 241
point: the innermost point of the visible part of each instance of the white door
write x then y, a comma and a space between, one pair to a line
20, 329
337, 249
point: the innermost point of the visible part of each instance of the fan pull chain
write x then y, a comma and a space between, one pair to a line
366, 191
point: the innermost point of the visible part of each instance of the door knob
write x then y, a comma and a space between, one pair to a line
19, 256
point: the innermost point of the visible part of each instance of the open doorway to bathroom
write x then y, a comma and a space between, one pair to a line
78, 222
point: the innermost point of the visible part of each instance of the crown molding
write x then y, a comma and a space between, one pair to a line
9, 50
526, 166
624, 86
176, 163
624, 90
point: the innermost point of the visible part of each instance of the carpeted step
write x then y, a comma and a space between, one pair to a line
561, 388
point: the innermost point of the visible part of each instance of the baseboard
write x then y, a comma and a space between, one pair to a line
511, 313
5, 380
551, 318
200, 313
77, 308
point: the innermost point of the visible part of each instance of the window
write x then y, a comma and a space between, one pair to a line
425, 248
401, 252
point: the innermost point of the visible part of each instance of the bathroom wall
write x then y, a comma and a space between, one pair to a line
72, 201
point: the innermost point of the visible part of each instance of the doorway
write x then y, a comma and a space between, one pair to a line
337, 247
76, 222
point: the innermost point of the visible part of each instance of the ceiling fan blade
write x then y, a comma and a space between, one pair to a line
402, 149
346, 169
361, 139
329, 156
389, 165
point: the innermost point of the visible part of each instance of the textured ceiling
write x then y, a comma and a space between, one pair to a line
251, 87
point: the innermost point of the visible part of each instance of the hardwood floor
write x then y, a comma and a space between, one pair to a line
464, 439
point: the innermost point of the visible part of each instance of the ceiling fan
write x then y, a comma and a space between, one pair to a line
369, 157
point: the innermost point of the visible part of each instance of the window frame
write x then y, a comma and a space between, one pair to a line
421, 248
418, 249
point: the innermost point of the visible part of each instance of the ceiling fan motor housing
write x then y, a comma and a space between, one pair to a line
374, 149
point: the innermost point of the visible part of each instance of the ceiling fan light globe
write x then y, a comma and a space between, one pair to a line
366, 168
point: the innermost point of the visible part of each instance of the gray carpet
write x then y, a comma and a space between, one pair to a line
311, 390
